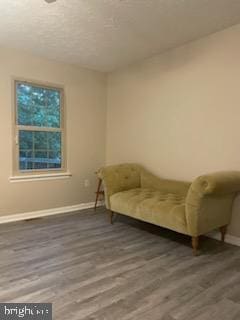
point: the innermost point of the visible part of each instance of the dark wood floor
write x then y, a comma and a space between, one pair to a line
92, 270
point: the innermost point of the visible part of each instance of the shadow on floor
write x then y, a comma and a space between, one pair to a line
207, 245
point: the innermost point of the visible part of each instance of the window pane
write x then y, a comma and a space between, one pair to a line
40, 140
41, 160
54, 159
25, 140
53, 98
24, 104
54, 141
39, 150
25, 160
38, 106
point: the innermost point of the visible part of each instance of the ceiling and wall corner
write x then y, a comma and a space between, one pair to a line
107, 34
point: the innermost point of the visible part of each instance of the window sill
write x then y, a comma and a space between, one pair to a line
40, 177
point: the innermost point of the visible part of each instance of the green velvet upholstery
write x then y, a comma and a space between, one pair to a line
190, 208
209, 201
119, 178
152, 206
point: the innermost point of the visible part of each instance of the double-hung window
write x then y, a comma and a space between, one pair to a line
39, 128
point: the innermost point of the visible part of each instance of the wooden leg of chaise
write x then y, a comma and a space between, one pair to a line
223, 231
195, 244
111, 217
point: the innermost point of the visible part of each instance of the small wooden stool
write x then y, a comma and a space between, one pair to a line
98, 192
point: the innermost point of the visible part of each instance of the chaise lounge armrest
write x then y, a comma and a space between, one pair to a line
217, 183
209, 201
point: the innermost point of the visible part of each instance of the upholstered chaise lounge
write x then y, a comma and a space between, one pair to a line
189, 208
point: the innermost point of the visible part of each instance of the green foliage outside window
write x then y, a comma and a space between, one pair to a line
39, 107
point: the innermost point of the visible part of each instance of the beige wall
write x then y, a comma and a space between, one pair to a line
86, 114
178, 113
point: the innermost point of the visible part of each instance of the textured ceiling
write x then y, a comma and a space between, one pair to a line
107, 34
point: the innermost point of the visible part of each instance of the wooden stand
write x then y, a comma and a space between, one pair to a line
111, 217
223, 231
98, 193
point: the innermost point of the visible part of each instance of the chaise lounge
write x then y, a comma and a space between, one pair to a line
189, 208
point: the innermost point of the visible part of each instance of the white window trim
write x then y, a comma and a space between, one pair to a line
38, 174
41, 177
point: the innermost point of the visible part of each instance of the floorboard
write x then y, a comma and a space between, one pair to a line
92, 270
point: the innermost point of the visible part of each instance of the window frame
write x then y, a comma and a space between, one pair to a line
16, 129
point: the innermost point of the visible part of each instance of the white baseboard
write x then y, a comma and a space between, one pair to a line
228, 238
47, 212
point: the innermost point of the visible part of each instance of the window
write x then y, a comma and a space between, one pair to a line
39, 130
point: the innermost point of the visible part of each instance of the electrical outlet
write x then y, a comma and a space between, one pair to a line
86, 183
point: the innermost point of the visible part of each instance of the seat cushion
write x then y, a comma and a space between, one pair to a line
154, 206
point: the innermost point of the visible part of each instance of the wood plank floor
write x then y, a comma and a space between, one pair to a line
92, 270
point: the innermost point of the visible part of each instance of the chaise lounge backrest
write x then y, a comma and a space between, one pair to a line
119, 178
149, 180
